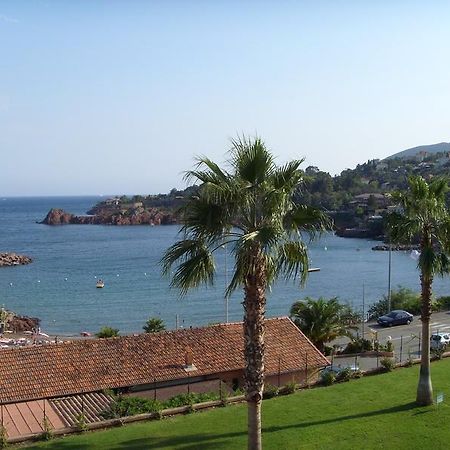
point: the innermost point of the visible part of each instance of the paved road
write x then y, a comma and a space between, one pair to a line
406, 339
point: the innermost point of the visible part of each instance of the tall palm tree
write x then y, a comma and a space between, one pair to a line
323, 320
248, 208
423, 215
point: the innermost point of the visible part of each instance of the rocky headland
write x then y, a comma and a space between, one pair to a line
112, 216
13, 259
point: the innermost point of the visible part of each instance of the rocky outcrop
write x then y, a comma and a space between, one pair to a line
58, 217
133, 216
19, 324
13, 259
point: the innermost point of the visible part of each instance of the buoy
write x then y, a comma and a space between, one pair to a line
65, 279
325, 248
39, 281
145, 273
95, 276
10, 284
117, 275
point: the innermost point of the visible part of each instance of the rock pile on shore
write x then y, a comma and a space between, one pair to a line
13, 259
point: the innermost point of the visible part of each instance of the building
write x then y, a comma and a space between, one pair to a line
150, 365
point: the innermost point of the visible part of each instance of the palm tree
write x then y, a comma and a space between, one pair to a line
154, 325
248, 208
423, 215
323, 320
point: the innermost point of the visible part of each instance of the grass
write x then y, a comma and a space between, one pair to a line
376, 412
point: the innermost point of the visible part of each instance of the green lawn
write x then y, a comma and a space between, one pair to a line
373, 412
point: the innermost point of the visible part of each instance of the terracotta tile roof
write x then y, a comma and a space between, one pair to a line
95, 364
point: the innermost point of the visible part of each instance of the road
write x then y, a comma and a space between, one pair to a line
406, 339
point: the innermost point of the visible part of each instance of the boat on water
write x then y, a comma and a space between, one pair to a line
100, 284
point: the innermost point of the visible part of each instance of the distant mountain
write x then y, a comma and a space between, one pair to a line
410, 152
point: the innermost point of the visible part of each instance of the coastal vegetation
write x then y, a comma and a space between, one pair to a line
423, 215
107, 332
154, 325
332, 417
250, 209
357, 199
324, 320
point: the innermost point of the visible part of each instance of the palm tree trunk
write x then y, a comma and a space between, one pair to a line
424, 389
254, 310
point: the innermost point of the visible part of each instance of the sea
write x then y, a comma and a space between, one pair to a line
59, 286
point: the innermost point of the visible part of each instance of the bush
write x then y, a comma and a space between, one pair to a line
328, 378
442, 304
190, 399
130, 406
107, 332
344, 375
357, 374
389, 346
80, 422
290, 387
358, 345
47, 433
270, 391
3, 437
437, 353
388, 364
402, 298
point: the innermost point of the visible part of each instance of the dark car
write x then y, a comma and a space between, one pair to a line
396, 317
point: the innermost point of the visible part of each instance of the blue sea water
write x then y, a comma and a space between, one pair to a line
59, 286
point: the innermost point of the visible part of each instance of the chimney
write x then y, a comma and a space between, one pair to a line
189, 360
188, 357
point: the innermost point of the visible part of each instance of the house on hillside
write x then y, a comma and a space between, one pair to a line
62, 378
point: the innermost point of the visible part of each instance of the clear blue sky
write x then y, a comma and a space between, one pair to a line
102, 97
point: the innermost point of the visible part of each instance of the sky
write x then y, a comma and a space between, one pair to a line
112, 97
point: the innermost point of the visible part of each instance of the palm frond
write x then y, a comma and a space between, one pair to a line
292, 260
307, 219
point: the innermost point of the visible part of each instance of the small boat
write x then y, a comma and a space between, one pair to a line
100, 284
314, 269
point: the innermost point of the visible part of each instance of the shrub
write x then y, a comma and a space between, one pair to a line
190, 399
107, 332
47, 432
358, 345
80, 422
289, 388
3, 437
344, 375
388, 364
442, 303
357, 374
327, 350
389, 346
328, 378
437, 353
402, 298
270, 391
130, 406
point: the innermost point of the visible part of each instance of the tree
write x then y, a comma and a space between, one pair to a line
107, 332
154, 325
249, 208
323, 320
423, 215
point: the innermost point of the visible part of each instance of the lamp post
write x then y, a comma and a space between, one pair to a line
389, 276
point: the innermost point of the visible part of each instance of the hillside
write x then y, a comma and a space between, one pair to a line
428, 149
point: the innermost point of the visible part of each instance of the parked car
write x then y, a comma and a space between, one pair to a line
439, 341
396, 317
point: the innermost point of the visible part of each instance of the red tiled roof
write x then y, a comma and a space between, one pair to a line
95, 364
